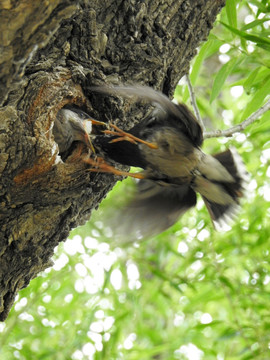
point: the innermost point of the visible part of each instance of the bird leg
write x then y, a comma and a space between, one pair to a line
123, 135
89, 142
87, 136
100, 165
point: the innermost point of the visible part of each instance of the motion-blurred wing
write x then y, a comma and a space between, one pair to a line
174, 112
153, 209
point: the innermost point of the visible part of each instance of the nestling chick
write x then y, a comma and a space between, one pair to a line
175, 170
71, 124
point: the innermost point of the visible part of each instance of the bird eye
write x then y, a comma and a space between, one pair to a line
81, 114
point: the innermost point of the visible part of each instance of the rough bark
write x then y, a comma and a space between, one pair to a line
51, 52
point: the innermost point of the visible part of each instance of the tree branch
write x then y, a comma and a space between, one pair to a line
193, 102
240, 127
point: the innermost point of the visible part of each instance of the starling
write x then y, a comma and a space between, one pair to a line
174, 166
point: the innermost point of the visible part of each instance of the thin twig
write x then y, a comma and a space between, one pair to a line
193, 102
239, 127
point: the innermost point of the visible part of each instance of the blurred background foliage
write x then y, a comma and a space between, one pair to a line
189, 293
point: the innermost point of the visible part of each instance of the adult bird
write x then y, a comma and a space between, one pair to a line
175, 167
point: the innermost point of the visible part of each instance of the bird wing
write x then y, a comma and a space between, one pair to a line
153, 209
177, 111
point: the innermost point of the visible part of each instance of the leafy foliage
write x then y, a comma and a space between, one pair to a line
189, 293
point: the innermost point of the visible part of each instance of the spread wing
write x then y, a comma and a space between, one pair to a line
153, 209
177, 113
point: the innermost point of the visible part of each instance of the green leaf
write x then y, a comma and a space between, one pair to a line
262, 8
261, 126
231, 12
208, 49
264, 46
221, 77
226, 282
260, 41
254, 23
203, 52
250, 80
199, 61
257, 100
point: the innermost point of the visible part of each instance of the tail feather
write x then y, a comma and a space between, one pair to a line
233, 162
221, 215
222, 197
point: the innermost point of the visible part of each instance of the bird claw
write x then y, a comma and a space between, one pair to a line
87, 136
99, 165
125, 136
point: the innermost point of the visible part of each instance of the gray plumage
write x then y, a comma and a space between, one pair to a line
71, 125
176, 170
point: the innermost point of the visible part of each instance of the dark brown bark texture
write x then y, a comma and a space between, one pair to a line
51, 53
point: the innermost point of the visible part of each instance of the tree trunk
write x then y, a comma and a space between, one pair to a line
51, 53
